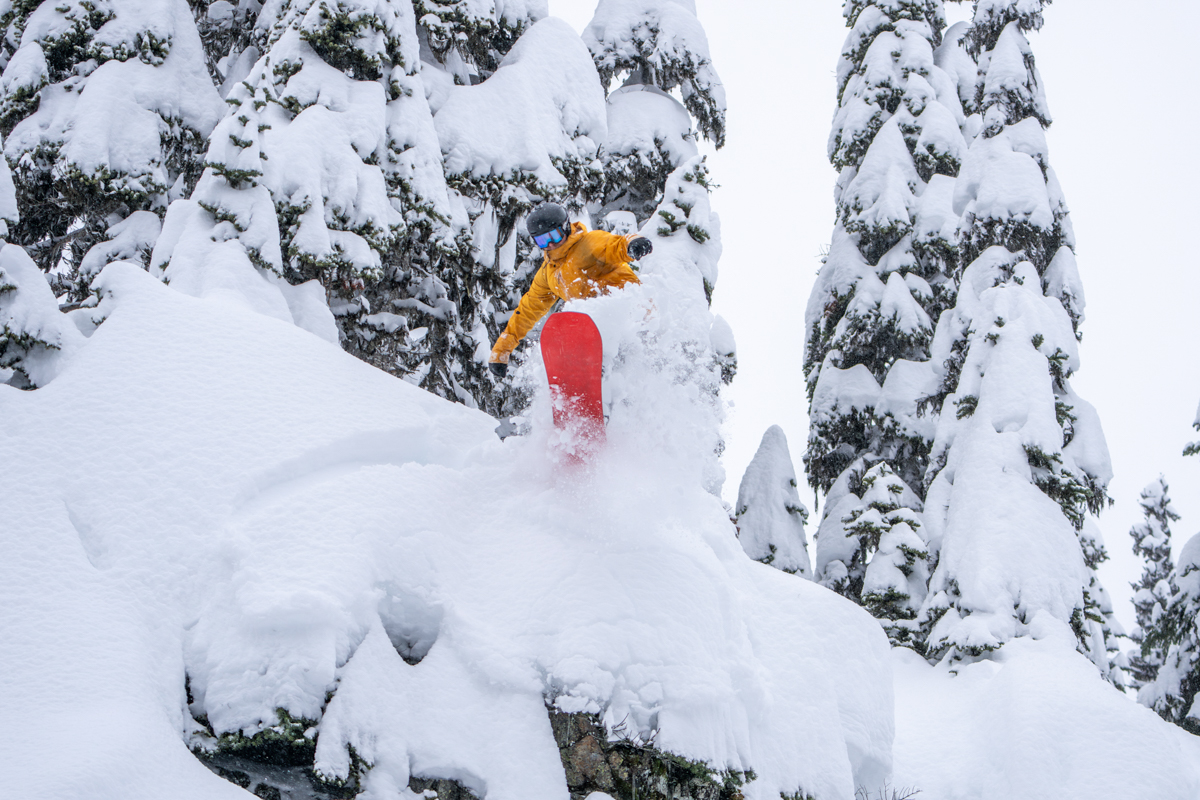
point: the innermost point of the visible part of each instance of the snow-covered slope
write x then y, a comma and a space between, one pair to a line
210, 492
1036, 721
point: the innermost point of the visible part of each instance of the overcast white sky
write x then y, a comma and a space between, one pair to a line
1120, 81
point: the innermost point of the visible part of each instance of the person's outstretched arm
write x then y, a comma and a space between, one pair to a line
606, 256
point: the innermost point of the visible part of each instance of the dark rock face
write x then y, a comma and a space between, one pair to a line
271, 781
276, 764
627, 770
444, 789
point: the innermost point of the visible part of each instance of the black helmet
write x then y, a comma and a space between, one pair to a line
546, 218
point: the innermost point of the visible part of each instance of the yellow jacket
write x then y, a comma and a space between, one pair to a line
588, 263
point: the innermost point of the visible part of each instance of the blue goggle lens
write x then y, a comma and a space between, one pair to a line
544, 240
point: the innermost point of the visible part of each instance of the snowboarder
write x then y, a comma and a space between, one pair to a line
577, 263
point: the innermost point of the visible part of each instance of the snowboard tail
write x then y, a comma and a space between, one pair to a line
572, 352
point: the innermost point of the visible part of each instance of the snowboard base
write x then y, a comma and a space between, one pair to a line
573, 354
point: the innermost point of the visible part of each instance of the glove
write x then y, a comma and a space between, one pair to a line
498, 369
639, 248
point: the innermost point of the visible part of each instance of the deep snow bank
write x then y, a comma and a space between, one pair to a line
211, 492
1035, 722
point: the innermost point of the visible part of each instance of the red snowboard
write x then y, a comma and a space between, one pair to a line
573, 353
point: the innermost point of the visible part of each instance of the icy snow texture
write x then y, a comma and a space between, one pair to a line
286, 518
770, 516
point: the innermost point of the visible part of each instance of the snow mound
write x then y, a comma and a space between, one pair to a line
1034, 721
210, 493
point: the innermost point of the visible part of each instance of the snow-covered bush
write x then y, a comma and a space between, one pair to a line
1019, 459
106, 111
870, 548
770, 516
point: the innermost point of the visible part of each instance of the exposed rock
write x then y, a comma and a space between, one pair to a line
271, 781
441, 788
629, 770
275, 763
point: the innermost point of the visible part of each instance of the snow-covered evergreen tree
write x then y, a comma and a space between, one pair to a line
1153, 591
655, 47
770, 516
871, 550
897, 143
34, 335
441, 123
896, 577
329, 169
106, 109
1019, 458
660, 43
470, 39
231, 38
1175, 635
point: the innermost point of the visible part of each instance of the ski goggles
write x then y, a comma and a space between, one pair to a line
544, 240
